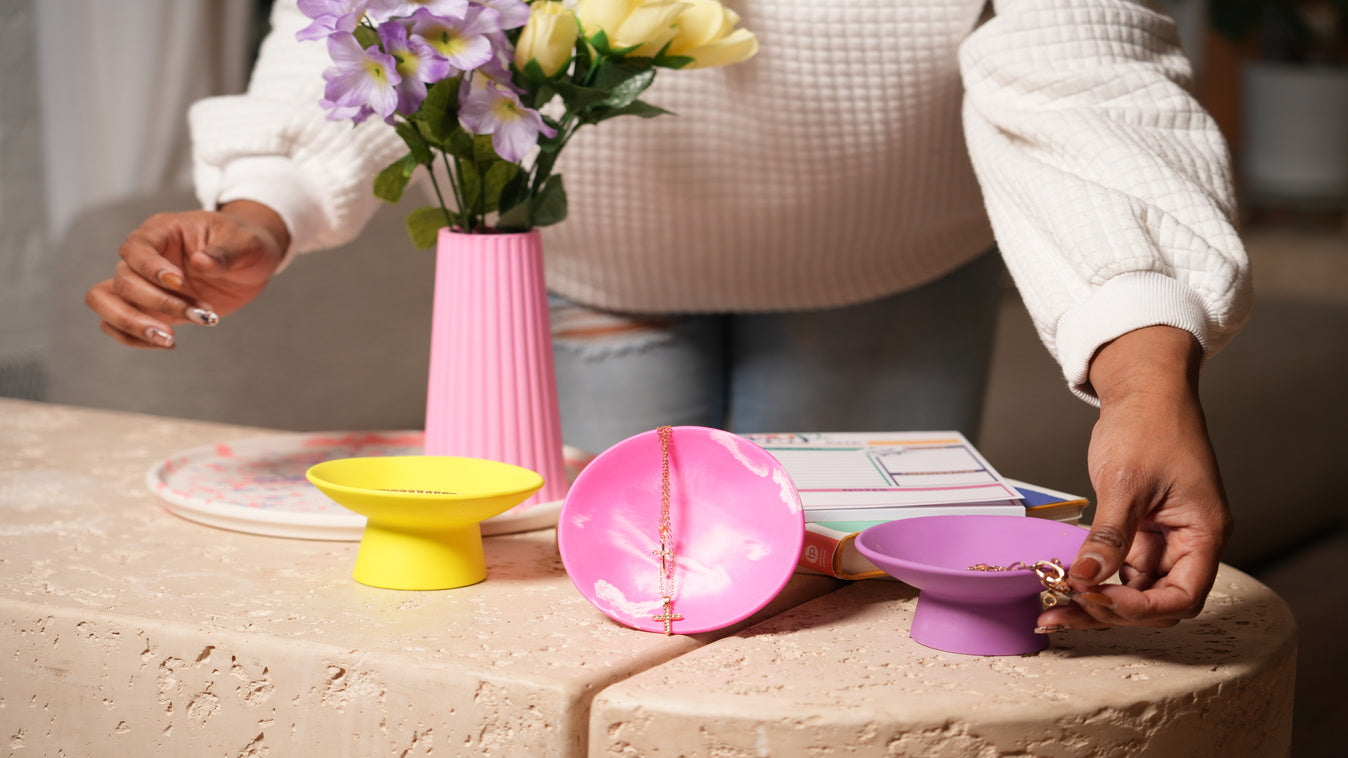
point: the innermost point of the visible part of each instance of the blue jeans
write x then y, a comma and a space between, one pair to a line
917, 360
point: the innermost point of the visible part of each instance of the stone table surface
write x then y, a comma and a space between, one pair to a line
839, 676
125, 630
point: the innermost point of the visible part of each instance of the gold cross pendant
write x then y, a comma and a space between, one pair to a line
668, 616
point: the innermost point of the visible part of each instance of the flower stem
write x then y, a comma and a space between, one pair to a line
453, 186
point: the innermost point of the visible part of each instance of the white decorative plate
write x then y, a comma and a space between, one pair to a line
257, 485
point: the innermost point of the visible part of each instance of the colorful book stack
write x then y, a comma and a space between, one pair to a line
851, 481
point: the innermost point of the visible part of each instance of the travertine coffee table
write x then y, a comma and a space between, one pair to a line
838, 676
125, 630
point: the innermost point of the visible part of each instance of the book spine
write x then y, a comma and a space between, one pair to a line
833, 553
819, 549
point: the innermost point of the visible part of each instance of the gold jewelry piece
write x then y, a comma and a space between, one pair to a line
417, 492
1051, 574
666, 551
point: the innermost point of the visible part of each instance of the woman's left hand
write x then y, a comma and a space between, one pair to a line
1161, 517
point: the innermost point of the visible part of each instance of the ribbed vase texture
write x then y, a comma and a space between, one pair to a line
492, 390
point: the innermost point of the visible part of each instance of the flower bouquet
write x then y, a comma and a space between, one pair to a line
485, 94
492, 90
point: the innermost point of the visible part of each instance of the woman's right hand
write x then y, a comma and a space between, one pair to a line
189, 267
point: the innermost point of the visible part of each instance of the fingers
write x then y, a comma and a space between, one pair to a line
1106, 547
153, 338
1149, 595
140, 314
174, 306
125, 323
150, 252
210, 261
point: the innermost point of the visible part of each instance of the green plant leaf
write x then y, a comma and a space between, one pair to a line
514, 192
470, 187
540, 82
421, 152
515, 218
367, 37
461, 144
542, 94
600, 42
549, 206
439, 113
494, 182
577, 97
424, 225
390, 183
625, 83
672, 61
638, 108
483, 152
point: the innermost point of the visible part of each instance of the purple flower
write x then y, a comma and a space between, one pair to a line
338, 112
495, 110
360, 79
417, 65
383, 10
330, 16
466, 43
513, 13
498, 73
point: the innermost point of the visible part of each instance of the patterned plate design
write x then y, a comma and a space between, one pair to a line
257, 485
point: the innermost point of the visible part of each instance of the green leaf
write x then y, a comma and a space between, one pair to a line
470, 187
600, 42
483, 151
672, 61
625, 84
367, 37
515, 218
424, 225
542, 94
421, 152
577, 98
549, 206
534, 73
439, 113
390, 183
638, 108
461, 144
514, 192
543, 167
494, 182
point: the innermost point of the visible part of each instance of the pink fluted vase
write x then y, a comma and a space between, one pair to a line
492, 390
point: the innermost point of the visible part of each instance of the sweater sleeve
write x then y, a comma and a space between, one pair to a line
1107, 185
274, 144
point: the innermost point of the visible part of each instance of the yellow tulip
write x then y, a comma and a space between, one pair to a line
647, 25
549, 37
705, 32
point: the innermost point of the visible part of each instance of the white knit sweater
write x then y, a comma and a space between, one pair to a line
832, 168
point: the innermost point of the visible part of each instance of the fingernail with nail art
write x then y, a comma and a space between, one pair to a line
1050, 629
203, 316
159, 337
171, 279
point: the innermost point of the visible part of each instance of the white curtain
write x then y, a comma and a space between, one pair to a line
93, 101
116, 80
22, 221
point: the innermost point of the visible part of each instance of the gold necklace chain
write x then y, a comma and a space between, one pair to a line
1051, 574
666, 529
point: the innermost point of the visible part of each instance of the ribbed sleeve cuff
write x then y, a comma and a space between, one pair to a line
1125, 303
276, 182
